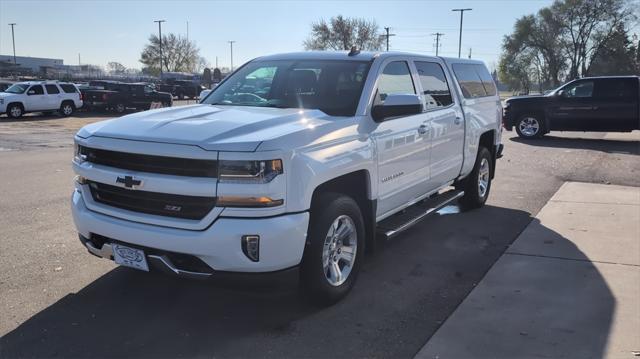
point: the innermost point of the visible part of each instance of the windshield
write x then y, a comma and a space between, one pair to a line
17, 88
331, 86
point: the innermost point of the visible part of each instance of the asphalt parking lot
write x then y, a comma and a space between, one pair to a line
59, 301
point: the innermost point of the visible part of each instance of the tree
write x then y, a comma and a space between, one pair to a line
618, 56
565, 40
178, 55
342, 33
116, 68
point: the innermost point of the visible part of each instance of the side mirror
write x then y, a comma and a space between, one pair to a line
397, 105
560, 93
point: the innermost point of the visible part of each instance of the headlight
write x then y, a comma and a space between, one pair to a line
250, 172
78, 157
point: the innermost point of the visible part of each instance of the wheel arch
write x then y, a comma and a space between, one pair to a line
356, 185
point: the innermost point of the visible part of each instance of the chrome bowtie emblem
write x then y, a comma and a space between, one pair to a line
129, 181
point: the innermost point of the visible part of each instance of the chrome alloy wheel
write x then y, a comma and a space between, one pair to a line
529, 126
16, 111
120, 107
483, 177
339, 252
67, 109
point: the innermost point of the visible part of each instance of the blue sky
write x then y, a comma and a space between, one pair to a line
104, 31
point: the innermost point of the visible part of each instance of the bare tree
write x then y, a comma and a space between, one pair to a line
116, 68
178, 54
342, 33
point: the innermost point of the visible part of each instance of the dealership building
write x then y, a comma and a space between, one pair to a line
35, 64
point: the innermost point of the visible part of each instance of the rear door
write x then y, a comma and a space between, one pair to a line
53, 97
615, 104
403, 157
574, 108
445, 121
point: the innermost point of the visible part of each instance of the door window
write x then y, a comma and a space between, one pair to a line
52, 89
579, 89
434, 85
395, 79
35, 90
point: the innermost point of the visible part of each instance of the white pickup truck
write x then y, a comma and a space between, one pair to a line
295, 161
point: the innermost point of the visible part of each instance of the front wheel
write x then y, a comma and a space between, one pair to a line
15, 111
334, 250
529, 126
477, 185
120, 107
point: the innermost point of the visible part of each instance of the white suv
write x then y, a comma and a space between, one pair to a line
293, 160
40, 96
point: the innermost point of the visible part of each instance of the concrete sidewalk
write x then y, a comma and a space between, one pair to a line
569, 286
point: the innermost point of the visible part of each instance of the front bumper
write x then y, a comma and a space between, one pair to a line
282, 238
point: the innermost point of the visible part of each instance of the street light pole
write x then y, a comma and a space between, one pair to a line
160, 38
231, 44
14, 43
460, 37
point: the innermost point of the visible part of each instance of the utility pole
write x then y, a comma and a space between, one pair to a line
14, 43
437, 35
231, 44
187, 30
216, 62
160, 38
460, 38
78, 59
469, 52
387, 36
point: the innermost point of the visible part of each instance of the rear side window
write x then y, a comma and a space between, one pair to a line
35, 90
487, 80
52, 89
395, 79
434, 85
475, 80
616, 89
68, 88
469, 81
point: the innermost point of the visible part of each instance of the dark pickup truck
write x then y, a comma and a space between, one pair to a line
181, 88
120, 96
588, 104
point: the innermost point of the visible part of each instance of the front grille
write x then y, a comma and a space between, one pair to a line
153, 164
162, 204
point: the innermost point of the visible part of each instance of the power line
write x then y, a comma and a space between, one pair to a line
387, 36
437, 35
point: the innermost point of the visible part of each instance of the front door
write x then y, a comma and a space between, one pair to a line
573, 109
36, 99
402, 143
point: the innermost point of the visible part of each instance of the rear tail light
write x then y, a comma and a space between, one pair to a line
81, 97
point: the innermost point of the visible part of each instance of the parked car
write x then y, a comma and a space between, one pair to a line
5, 85
588, 104
40, 96
203, 94
119, 96
294, 161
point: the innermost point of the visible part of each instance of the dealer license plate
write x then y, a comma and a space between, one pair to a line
130, 257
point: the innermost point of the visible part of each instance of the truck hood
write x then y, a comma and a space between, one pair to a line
214, 128
532, 98
6, 95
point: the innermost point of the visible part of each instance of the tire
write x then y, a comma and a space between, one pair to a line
325, 272
15, 110
120, 107
530, 126
477, 184
67, 109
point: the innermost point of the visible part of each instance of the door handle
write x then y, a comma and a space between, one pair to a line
423, 129
458, 120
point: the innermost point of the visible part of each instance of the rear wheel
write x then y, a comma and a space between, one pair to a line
477, 185
335, 248
15, 110
67, 109
529, 126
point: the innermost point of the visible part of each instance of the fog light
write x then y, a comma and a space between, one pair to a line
81, 180
251, 247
